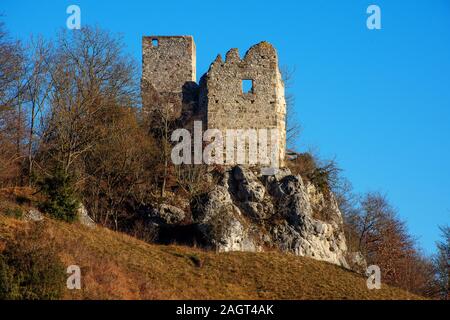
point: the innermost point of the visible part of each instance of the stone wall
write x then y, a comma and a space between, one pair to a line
168, 80
227, 106
168, 70
169, 64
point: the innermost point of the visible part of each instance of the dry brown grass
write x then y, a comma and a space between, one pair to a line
28, 195
15, 201
117, 266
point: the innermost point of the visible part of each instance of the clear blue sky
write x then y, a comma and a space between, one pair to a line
378, 101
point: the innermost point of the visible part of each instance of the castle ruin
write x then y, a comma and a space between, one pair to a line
221, 99
247, 209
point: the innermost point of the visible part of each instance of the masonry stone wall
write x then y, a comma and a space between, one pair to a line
227, 106
169, 62
168, 69
169, 74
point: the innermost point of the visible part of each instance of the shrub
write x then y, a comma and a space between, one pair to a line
9, 288
303, 164
21, 199
144, 231
61, 201
30, 268
323, 175
14, 213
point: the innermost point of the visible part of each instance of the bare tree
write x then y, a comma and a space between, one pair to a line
373, 220
89, 74
385, 241
194, 179
12, 124
442, 264
11, 69
293, 127
161, 114
38, 90
118, 167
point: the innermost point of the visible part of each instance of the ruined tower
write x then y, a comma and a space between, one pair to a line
221, 100
229, 104
168, 69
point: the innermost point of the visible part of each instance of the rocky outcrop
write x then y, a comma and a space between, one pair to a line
221, 222
33, 215
83, 217
357, 262
247, 211
82, 214
169, 214
300, 232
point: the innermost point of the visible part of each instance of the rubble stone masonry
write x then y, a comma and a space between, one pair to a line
169, 68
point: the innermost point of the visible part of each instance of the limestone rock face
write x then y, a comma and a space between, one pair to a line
33, 215
249, 212
83, 216
301, 233
221, 222
249, 187
280, 211
357, 262
169, 214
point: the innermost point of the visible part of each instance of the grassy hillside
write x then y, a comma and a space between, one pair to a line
116, 266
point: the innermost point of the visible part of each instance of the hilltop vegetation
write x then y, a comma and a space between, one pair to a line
73, 130
117, 266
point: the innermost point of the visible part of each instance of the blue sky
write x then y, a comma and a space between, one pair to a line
376, 100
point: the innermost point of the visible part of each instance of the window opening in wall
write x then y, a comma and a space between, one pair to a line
247, 86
